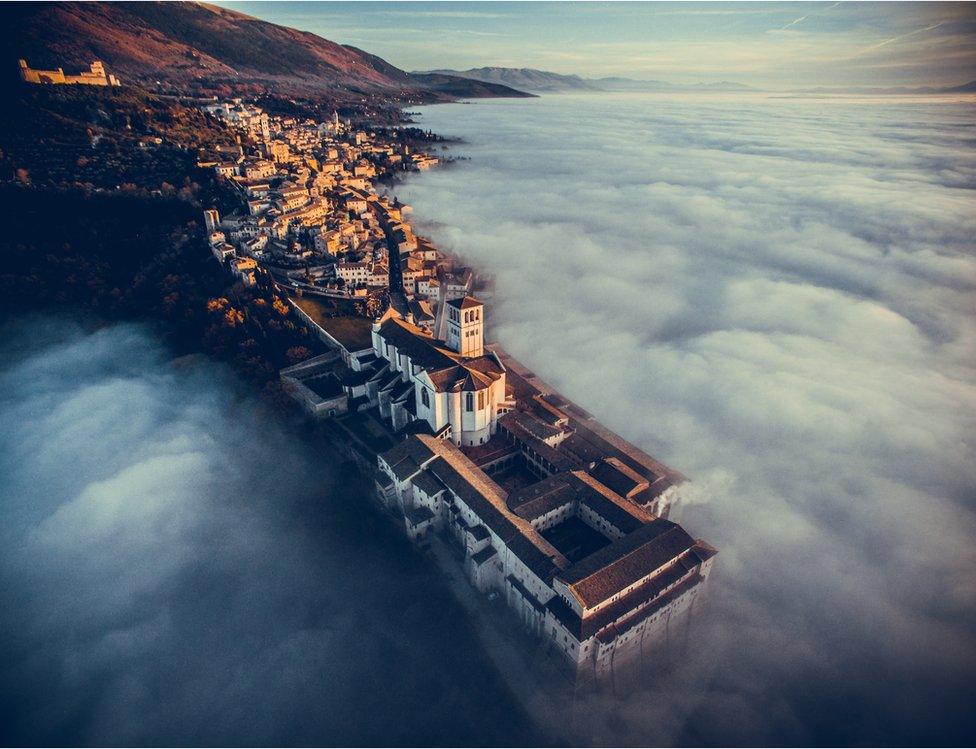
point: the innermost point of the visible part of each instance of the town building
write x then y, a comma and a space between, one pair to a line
244, 268
249, 119
212, 220
548, 511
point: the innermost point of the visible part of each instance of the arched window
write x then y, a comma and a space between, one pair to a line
424, 398
469, 401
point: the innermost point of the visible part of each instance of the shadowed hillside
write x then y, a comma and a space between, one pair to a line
524, 79
197, 47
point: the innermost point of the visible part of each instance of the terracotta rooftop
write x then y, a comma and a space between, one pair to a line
537, 499
638, 598
621, 513
422, 348
624, 480
625, 562
465, 302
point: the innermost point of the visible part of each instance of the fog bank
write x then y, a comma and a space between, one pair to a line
176, 568
776, 297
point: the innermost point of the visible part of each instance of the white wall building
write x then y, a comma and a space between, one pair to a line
456, 389
601, 610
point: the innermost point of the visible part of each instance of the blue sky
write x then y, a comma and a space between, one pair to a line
779, 45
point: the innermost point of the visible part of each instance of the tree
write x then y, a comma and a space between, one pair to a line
218, 304
233, 318
297, 354
374, 306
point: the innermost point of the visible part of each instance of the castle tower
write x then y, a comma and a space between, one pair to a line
466, 326
211, 218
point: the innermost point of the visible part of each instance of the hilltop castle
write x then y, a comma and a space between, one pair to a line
94, 76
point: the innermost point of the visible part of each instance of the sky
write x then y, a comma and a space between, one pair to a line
773, 295
770, 45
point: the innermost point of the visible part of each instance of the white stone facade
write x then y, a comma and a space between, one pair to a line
437, 490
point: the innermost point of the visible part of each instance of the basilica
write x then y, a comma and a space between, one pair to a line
449, 389
560, 518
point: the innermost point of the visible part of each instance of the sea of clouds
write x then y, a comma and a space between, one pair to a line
776, 296
773, 295
178, 568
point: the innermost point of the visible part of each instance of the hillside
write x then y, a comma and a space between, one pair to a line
72, 135
965, 88
197, 47
630, 84
465, 87
543, 81
524, 79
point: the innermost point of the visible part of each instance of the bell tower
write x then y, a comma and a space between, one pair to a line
466, 326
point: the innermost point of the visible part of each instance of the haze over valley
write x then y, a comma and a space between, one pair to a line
775, 295
488, 374
179, 567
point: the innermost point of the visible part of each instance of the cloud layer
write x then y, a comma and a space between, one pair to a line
775, 296
175, 569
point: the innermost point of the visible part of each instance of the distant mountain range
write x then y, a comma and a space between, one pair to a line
629, 84
966, 88
195, 45
542, 81
524, 79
